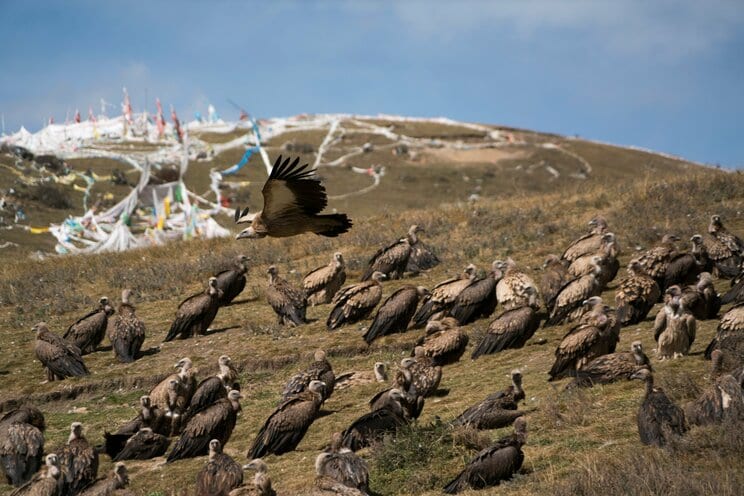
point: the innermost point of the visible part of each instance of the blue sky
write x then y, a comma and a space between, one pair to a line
665, 75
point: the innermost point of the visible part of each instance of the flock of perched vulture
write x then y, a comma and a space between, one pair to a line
203, 414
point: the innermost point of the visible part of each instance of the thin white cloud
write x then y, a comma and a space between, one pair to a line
664, 29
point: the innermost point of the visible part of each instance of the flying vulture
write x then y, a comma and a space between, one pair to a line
59, 357
320, 370
88, 332
196, 313
322, 284
658, 416
220, 475
355, 302
232, 281
287, 425
494, 464
127, 332
288, 302
395, 313
443, 296
293, 198
214, 422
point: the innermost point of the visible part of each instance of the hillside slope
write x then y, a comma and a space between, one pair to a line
579, 443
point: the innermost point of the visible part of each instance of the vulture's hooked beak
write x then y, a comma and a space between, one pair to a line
249, 233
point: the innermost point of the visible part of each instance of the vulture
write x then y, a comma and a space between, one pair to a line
353, 303
511, 329
293, 199
511, 289
636, 294
261, 484
395, 313
232, 281
150, 417
349, 379
597, 335
374, 425
21, 444
220, 475
49, 483
674, 331
342, 466
730, 335
287, 425
588, 243
288, 302
185, 385
494, 464
658, 416
701, 299
59, 357
722, 400
127, 332
477, 300
88, 332
684, 267
443, 296
425, 373
656, 260
422, 257
411, 397
608, 263
196, 313
78, 459
555, 275
612, 367
736, 293
444, 341
320, 370
143, 445
118, 479
571, 296
322, 284
392, 260
726, 250
214, 422
497, 410
212, 388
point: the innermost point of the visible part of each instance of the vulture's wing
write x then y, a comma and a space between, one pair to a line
291, 193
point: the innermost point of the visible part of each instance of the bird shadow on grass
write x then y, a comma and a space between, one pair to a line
243, 301
325, 413
153, 350
105, 348
440, 392
221, 329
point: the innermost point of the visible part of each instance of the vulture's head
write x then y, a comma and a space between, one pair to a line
76, 430
635, 267
380, 372
126, 294
184, 364
319, 356
696, 240
716, 362
608, 238
52, 460
669, 238
407, 362
224, 360
396, 394
715, 223
250, 233
378, 276
551, 261
215, 447
317, 387
145, 401
419, 351
597, 264
121, 473
673, 292
242, 259
516, 377
592, 302
257, 464
470, 271
41, 326
704, 279
212, 283
320, 462
422, 291
52, 463
499, 264
520, 428
434, 326
103, 300
415, 229
636, 347
643, 374
338, 258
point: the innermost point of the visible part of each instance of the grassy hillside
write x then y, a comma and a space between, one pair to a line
582, 442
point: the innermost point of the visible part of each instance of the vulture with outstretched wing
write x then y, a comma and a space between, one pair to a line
293, 198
